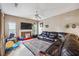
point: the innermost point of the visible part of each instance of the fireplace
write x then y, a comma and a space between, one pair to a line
25, 33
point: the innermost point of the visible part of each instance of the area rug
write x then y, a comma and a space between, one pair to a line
21, 51
35, 45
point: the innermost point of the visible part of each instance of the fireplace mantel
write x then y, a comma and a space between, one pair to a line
25, 30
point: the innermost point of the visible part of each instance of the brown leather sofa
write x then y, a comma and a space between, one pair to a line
70, 47
55, 48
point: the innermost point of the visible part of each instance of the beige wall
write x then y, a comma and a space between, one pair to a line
17, 20
58, 23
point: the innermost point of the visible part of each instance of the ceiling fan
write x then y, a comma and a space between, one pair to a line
37, 15
15, 4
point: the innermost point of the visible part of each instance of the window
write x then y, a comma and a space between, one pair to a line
12, 28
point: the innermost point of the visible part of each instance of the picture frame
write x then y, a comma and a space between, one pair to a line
41, 24
46, 26
67, 26
73, 25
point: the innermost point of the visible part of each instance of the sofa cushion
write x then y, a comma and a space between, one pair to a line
53, 35
47, 38
40, 37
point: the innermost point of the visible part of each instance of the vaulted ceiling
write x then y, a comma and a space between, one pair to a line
45, 10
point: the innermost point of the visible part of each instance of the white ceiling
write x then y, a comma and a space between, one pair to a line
45, 10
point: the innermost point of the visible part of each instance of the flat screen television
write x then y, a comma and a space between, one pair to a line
26, 26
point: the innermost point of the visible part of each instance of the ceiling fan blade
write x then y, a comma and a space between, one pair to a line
37, 15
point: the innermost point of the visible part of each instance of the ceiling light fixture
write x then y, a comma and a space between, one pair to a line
37, 15
15, 4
